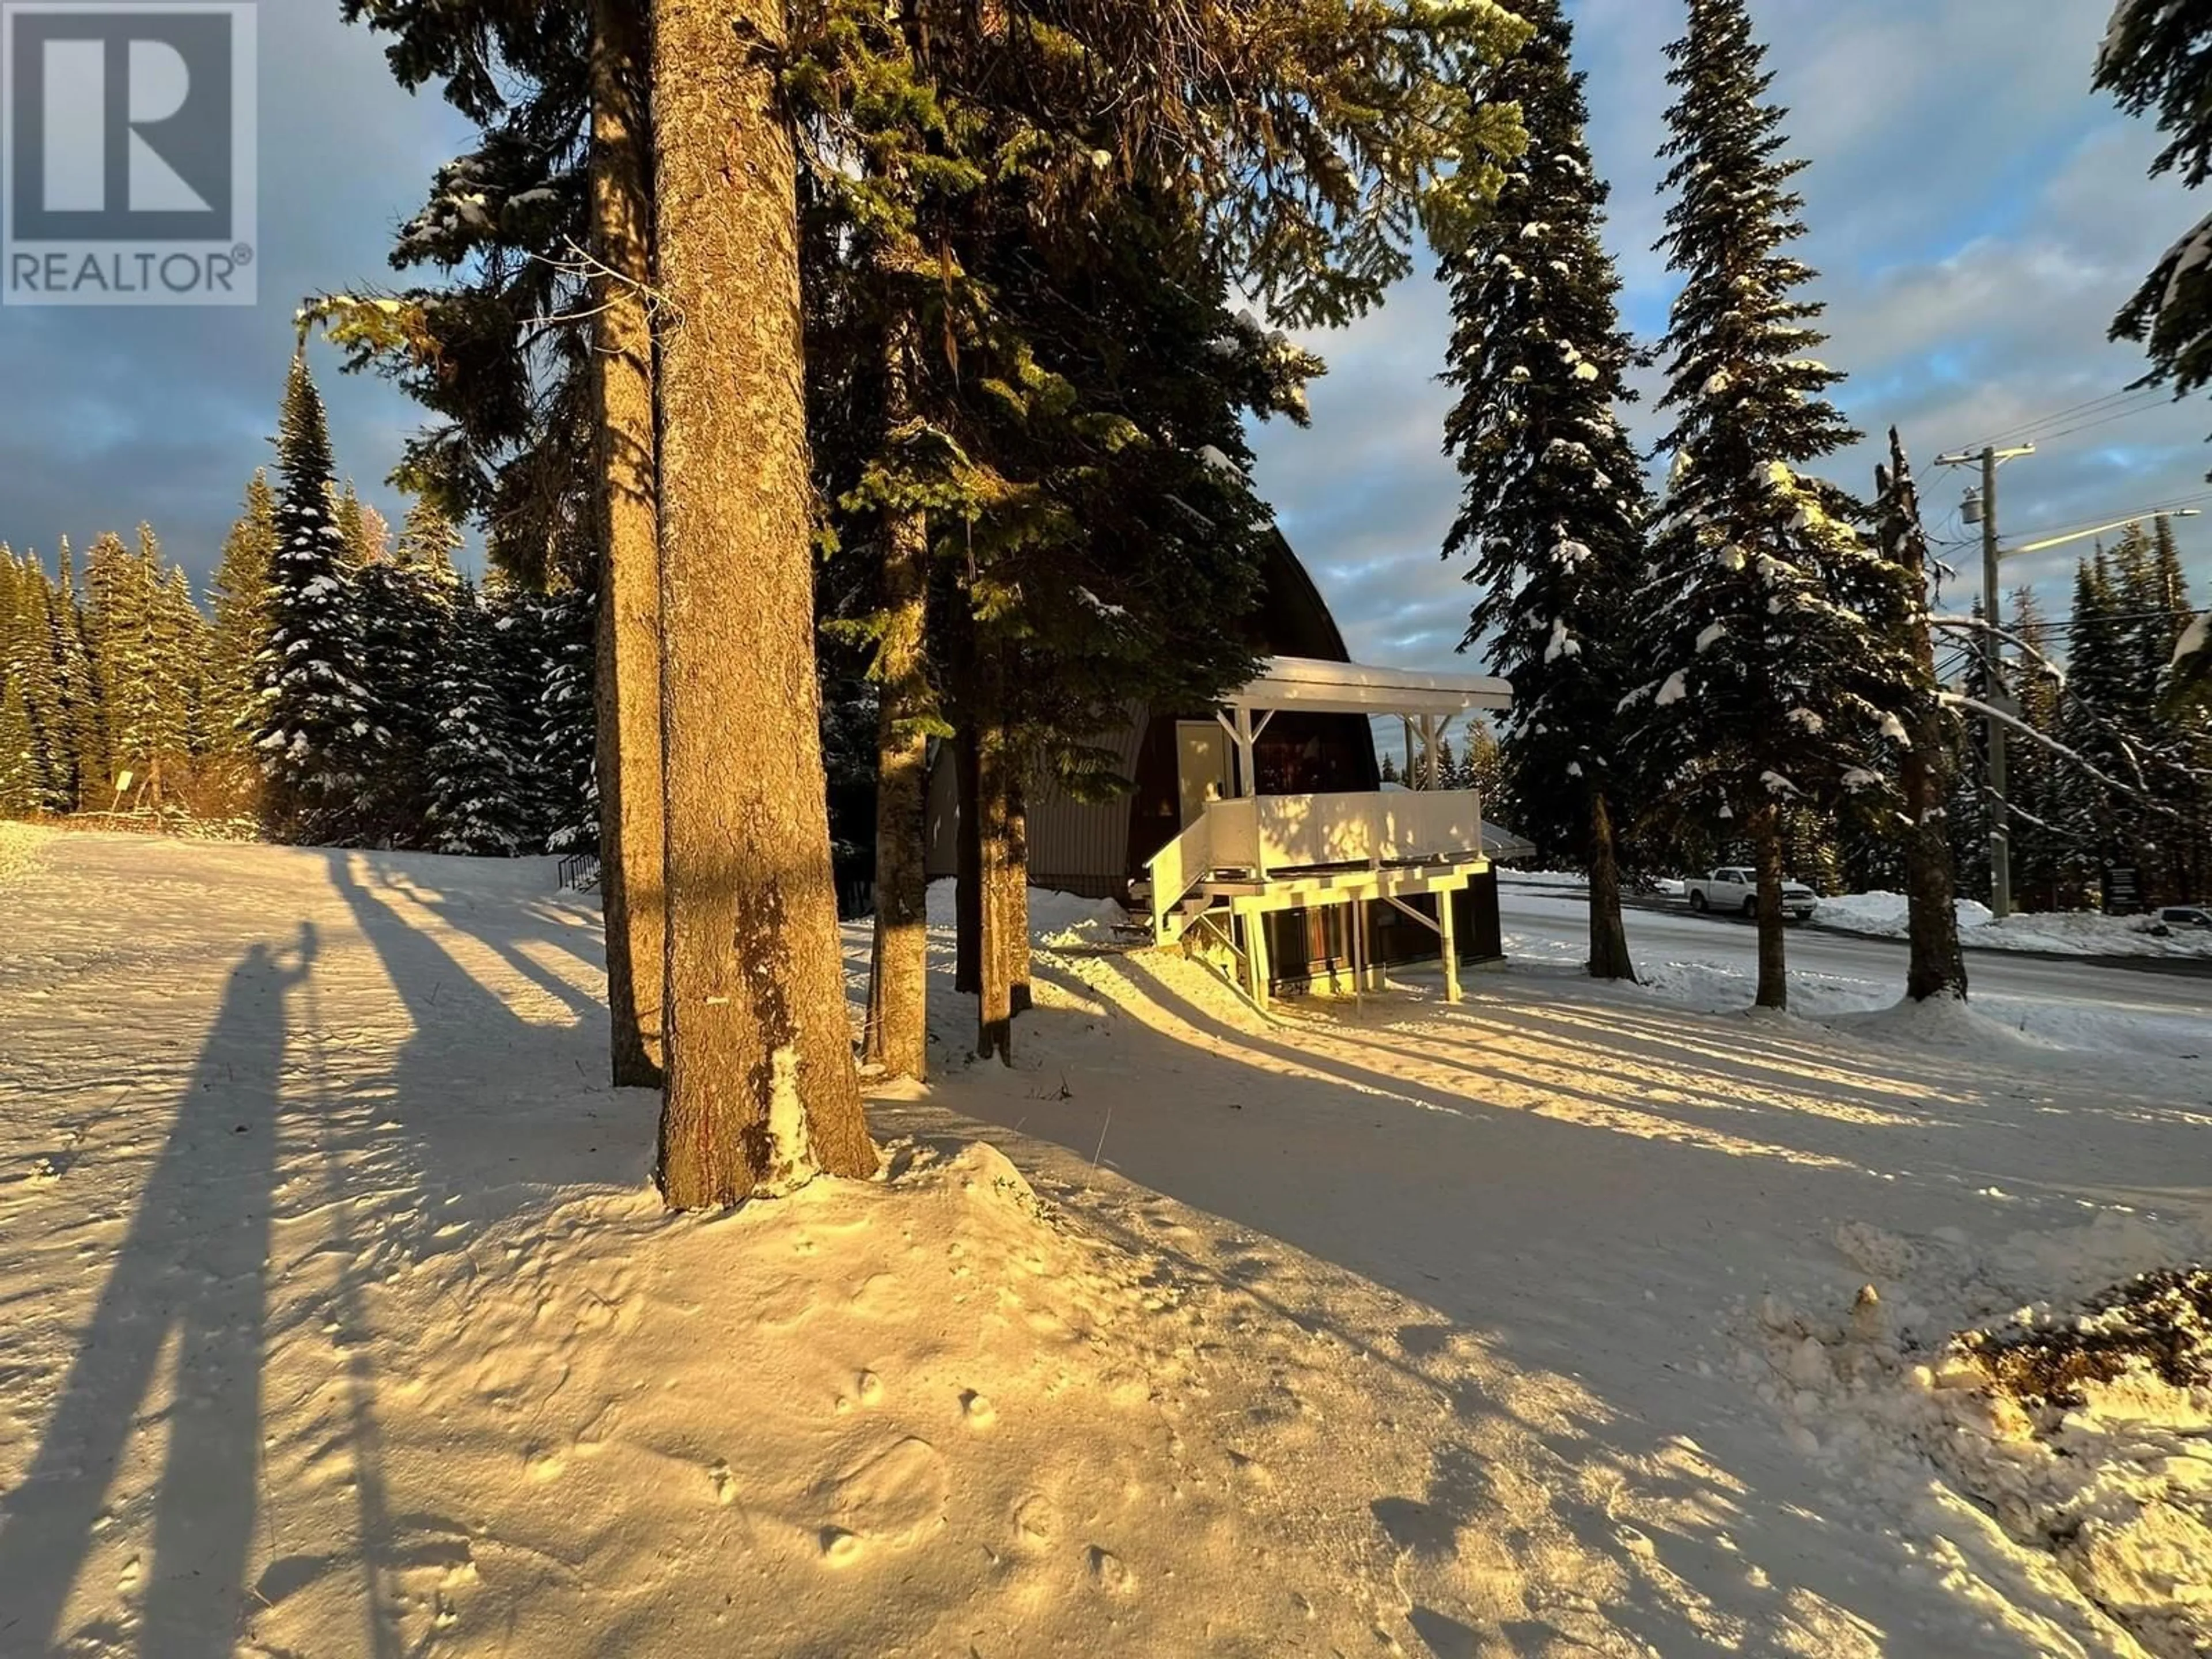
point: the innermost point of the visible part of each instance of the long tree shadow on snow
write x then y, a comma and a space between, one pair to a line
191, 1270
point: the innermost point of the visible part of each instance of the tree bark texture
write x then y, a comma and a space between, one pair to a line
1608, 934
1927, 775
761, 1086
898, 1003
628, 660
968, 905
1015, 892
995, 1015
1773, 954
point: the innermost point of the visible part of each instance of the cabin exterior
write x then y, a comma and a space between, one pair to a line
1259, 835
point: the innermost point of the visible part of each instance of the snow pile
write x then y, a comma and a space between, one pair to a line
2087, 932
19, 850
2058, 933
2062, 1441
1887, 913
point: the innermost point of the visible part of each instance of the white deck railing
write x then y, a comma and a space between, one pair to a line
1264, 836
1394, 827
1177, 868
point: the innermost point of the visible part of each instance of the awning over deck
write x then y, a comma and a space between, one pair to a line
1350, 688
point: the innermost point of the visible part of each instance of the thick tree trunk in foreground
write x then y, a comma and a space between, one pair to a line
1773, 957
760, 1086
898, 1003
628, 671
1608, 934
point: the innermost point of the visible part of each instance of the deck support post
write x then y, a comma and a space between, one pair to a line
1444, 898
1255, 955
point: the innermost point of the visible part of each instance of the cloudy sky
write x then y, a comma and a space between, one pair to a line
1977, 216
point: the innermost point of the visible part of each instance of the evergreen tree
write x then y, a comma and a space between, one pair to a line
2031, 769
317, 734
242, 624
1390, 768
1555, 501
22, 622
1896, 600
180, 642
1760, 700
31, 669
125, 590
406, 603
565, 754
2153, 60
473, 768
80, 735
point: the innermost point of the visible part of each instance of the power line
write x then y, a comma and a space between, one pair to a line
2126, 414
2092, 405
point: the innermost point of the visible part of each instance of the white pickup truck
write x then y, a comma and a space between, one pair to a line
1734, 888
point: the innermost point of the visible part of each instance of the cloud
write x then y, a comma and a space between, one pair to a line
117, 414
1977, 216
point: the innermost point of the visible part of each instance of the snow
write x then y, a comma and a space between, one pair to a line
2076, 932
342, 1316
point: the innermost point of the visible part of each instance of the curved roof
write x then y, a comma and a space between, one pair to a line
1293, 619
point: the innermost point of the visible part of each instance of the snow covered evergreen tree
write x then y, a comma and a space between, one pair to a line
565, 750
1758, 702
1895, 600
2153, 59
317, 730
80, 735
474, 761
405, 601
1554, 502
240, 593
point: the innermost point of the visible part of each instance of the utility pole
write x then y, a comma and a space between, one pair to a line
2000, 811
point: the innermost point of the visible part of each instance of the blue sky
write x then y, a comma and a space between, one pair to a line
1977, 214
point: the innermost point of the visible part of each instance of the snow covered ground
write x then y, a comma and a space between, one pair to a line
341, 1319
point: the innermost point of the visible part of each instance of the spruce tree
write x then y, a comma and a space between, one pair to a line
1897, 602
473, 766
1554, 503
180, 642
317, 730
239, 594
30, 668
564, 756
2153, 61
2031, 769
80, 717
404, 603
1753, 709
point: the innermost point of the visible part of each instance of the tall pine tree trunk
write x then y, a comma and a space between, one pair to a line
1609, 934
898, 1008
1016, 894
761, 1087
994, 762
628, 667
1929, 773
1773, 957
